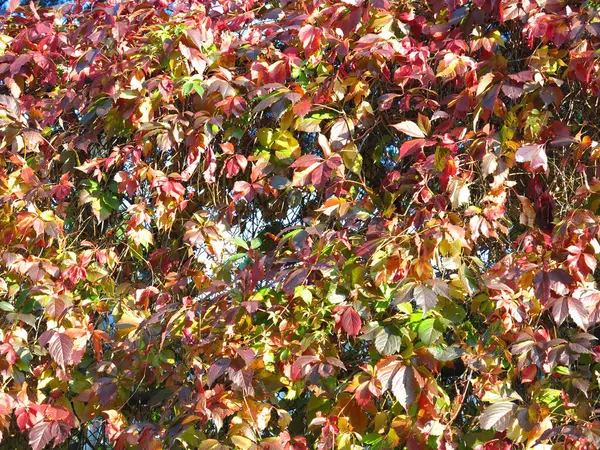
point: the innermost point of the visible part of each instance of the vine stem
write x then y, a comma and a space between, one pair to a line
455, 415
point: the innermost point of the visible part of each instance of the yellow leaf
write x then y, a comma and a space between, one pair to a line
145, 108
243, 443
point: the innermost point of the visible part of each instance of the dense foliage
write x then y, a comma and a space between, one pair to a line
300, 224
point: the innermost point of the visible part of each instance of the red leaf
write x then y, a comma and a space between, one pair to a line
9, 351
528, 374
18, 63
560, 310
411, 147
302, 108
306, 161
55, 306
7, 404
310, 37
363, 394
97, 337
386, 101
351, 321
61, 431
46, 336
511, 91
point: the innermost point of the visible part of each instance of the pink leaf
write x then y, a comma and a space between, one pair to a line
306, 161
40, 435
61, 349
302, 365
578, 313
535, 155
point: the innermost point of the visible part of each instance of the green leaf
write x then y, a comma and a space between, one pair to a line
430, 330
445, 354
322, 115
5, 306
454, 313
387, 343
240, 243
372, 438
167, 356
110, 200
129, 94
265, 137
187, 88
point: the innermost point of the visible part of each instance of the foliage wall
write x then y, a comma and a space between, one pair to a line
353, 224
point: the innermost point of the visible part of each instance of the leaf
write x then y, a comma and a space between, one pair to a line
560, 310
386, 101
511, 91
352, 158
409, 128
211, 444
535, 155
351, 321
300, 366
497, 416
242, 442
412, 147
56, 306
485, 82
217, 369
442, 353
387, 343
279, 182
401, 381
429, 331
578, 313
425, 298
61, 349
340, 134
372, 438
5, 306
310, 37
242, 379
40, 435
459, 192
